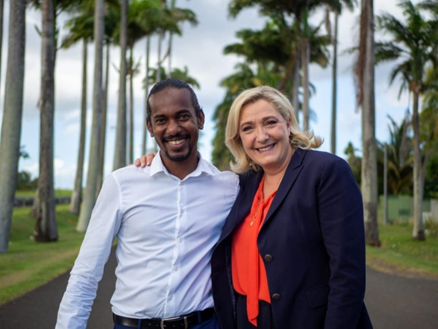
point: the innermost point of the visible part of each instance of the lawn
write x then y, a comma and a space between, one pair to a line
28, 264
399, 253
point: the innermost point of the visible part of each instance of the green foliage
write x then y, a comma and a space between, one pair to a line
25, 181
354, 161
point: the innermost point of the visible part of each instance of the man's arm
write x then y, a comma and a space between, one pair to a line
79, 296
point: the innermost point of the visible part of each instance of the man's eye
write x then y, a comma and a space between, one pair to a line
160, 121
184, 116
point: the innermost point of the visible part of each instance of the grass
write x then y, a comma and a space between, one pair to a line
400, 253
28, 264
31, 193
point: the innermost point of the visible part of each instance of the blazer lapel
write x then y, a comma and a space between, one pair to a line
292, 172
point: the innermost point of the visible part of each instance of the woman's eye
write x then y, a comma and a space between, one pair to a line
271, 122
246, 128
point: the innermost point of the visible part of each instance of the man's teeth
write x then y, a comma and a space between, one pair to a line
262, 149
177, 142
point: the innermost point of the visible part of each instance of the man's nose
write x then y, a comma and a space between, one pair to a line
173, 127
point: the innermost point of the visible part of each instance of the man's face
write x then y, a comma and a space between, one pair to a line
174, 125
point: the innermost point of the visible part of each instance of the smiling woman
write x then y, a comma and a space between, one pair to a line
292, 251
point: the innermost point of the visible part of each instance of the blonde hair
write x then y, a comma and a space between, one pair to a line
297, 138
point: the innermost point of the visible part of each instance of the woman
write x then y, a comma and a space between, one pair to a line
292, 250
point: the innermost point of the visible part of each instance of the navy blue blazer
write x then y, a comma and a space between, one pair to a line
312, 244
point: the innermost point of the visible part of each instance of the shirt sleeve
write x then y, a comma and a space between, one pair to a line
87, 271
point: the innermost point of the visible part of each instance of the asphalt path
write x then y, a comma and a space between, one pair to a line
393, 302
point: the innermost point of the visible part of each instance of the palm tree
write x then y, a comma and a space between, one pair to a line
349, 5
1, 32
12, 116
120, 148
411, 47
46, 228
364, 79
93, 162
300, 9
80, 29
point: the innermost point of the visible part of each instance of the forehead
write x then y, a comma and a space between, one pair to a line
258, 110
171, 100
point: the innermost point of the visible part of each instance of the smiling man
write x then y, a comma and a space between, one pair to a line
167, 218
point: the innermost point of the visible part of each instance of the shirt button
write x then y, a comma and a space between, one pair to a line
181, 211
175, 268
170, 297
268, 258
180, 240
276, 296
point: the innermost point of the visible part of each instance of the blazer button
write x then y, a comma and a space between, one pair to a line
276, 296
268, 258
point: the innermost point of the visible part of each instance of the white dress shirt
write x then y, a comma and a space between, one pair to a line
166, 229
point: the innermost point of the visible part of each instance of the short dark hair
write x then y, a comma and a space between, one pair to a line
172, 83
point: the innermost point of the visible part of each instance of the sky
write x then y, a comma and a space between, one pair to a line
200, 49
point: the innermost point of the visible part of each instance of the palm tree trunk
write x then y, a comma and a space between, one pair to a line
76, 196
144, 141
418, 231
160, 41
131, 107
369, 147
12, 116
296, 86
93, 159
2, 5
45, 227
100, 174
305, 82
334, 87
120, 149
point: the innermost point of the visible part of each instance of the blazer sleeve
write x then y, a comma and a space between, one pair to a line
340, 210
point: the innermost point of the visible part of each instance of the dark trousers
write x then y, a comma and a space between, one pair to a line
264, 320
209, 324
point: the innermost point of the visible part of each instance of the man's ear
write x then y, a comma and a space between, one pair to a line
148, 123
201, 120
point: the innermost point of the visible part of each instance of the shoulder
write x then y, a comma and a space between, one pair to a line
129, 174
323, 159
226, 177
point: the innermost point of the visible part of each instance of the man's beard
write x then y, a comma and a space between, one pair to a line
179, 157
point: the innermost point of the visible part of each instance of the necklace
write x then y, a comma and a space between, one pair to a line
260, 200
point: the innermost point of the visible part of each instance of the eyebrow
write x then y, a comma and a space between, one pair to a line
263, 119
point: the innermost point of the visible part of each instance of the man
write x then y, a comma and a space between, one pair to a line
167, 218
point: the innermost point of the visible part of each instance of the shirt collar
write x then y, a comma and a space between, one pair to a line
203, 166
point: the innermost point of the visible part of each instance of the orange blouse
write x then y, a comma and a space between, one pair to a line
247, 267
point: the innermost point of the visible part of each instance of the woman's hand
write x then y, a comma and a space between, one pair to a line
145, 160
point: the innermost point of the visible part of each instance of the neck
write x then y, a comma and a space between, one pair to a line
183, 168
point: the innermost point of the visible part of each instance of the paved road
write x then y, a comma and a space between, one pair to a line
393, 303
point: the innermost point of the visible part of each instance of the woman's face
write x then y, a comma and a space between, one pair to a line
265, 135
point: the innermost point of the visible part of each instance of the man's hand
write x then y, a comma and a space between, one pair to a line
145, 160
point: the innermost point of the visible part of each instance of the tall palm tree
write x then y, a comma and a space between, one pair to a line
93, 162
12, 117
120, 147
364, 79
334, 35
2, 5
80, 29
300, 10
46, 228
410, 46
